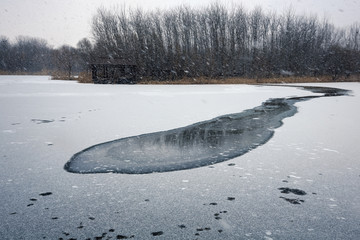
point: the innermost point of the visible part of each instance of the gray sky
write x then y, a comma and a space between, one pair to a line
68, 21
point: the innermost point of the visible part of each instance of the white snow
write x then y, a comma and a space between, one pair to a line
319, 144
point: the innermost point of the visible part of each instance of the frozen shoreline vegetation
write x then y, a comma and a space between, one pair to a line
197, 145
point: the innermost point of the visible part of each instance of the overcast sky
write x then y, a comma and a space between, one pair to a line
68, 21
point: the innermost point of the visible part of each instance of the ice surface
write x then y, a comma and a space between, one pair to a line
179, 203
197, 145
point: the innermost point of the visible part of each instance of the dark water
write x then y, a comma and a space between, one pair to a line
200, 144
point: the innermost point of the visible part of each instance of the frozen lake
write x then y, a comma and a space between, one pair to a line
302, 184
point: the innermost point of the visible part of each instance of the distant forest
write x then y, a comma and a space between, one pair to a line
209, 42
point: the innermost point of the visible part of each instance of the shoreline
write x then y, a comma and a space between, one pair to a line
84, 78
240, 80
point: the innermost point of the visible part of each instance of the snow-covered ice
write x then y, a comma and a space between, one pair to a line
200, 144
44, 123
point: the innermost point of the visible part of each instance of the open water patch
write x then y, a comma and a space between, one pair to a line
200, 144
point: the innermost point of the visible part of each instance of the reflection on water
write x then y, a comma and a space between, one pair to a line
197, 145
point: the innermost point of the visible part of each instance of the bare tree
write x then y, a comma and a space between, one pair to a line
65, 59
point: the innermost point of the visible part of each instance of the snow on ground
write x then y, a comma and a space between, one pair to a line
43, 123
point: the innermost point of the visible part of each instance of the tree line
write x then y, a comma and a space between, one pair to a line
28, 55
213, 42
217, 42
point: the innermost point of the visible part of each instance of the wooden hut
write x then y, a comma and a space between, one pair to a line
113, 71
